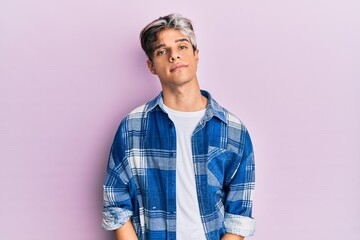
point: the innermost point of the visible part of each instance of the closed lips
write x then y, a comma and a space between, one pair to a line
177, 66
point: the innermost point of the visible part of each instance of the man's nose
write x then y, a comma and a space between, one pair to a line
174, 55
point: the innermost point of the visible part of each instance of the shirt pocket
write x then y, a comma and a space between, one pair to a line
217, 164
216, 167
216, 174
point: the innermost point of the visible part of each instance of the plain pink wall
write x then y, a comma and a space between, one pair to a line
70, 70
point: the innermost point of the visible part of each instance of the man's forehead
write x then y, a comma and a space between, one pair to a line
171, 36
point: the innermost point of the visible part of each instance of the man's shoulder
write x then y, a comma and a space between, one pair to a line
236, 132
231, 119
137, 112
133, 120
142, 110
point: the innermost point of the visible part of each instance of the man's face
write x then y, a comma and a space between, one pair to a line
174, 61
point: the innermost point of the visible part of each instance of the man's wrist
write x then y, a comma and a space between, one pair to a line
230, 236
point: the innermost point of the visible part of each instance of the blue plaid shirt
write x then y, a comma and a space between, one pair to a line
140, 180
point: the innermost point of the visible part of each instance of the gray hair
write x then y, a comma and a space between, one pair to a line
150, 33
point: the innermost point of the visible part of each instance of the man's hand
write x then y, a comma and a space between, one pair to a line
126, 232
229, 236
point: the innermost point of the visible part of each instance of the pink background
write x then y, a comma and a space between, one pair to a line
70, 70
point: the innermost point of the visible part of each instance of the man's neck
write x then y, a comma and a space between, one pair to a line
184, 99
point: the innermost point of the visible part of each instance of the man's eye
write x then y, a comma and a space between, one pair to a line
161, 52
183, 47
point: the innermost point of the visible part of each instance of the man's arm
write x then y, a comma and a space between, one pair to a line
229, 236
126, 232
117, 199
238, 194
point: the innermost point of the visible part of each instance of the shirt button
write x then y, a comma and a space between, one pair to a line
171, 184
171, 154
170, 126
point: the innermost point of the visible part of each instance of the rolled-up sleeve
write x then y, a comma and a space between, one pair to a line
117, 204
238, 202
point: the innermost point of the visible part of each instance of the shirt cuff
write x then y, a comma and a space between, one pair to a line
239, 225
114, 218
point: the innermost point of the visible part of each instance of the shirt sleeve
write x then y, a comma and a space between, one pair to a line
238, 200
117, 204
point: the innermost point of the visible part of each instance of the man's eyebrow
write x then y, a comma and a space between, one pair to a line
159, 46
176, 41
182, 40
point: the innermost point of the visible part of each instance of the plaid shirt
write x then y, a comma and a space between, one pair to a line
140, 180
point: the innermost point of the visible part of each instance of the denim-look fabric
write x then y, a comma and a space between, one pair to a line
140, 180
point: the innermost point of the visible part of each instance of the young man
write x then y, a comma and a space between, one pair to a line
181, 166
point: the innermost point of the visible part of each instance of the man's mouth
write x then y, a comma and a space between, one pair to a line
177, 66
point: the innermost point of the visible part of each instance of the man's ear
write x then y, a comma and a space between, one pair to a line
151, 67
196, 53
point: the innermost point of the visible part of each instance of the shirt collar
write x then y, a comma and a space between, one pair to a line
212, 109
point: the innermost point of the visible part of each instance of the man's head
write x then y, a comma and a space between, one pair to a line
149, 35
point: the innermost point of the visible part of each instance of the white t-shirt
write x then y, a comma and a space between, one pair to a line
188, 220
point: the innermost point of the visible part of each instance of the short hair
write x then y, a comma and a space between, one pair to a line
150, 33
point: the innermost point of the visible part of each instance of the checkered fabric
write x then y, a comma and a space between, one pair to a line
140, 181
